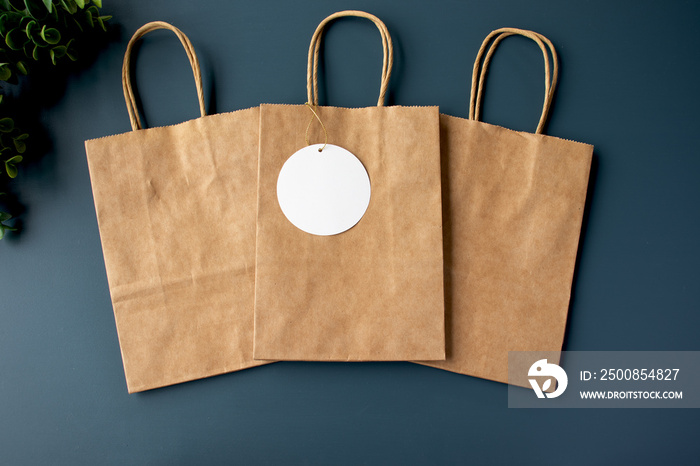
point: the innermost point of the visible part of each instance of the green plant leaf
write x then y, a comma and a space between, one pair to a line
7, 124
50, 35
4, 228
11, 170
36, 39
101, 22
25, 20
48, 4
28, 47
5, 71
41, 53
78, 25
16, 38
69, 6
5, 4
9, 20
98, 3
31, 26
91, 14
35, 9
4, 216
54, 12
22, 67
57, 53
20, 145
71, 52
10, 166
80, 3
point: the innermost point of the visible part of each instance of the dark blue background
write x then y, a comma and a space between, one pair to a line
628, 86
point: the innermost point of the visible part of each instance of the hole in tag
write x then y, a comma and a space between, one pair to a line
323, 191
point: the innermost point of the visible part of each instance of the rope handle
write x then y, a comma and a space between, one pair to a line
126, 69
315, 46
480, 70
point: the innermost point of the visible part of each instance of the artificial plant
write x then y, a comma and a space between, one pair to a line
35, 33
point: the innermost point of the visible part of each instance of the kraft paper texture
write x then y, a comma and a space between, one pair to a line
513, 206
176, 212
374, 292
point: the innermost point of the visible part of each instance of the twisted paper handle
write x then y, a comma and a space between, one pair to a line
315, 46
480, 70
126, 69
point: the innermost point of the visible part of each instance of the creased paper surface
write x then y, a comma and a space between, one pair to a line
374, 292
176, 212
513, 205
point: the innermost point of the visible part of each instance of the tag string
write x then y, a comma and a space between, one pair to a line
325, 132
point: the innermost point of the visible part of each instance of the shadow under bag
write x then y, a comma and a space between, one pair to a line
375, 291
513, 206
176, 212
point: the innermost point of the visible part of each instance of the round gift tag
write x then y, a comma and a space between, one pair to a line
323, 192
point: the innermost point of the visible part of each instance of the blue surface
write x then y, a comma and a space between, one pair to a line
628, 86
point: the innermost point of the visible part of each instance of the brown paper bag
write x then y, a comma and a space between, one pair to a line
375, 291
176, 212
513, 205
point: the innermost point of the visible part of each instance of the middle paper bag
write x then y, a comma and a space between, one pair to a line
368, 292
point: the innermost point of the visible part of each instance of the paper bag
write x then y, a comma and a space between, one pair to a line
375, 291
176, 213
513, 206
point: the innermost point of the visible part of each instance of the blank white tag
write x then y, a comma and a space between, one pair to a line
323, 193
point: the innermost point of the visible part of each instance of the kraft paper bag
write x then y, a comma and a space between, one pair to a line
176, 212
513, 206
375, 291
